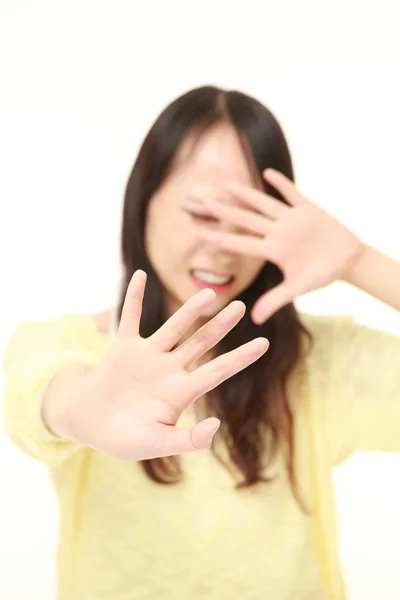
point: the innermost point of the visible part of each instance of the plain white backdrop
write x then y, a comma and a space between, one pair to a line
81, 82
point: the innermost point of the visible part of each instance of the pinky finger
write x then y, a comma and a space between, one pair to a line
212, 374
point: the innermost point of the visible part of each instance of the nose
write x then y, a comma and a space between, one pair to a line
222, 259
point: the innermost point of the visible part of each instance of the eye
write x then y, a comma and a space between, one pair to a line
203, 218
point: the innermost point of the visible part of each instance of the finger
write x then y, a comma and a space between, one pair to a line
245, 219
171, 332
212, 374
260, 201
284, 186
198, 437
132, 309
210, 334
235, 243
271, 302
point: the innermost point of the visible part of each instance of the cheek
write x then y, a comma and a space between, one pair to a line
170, 241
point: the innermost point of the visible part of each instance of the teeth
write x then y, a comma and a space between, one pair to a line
210, 277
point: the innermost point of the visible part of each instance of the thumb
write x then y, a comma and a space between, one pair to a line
271, 302
198, 437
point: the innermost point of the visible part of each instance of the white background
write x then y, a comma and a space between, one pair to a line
81, 81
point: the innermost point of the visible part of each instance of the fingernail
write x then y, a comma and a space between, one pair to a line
210, 441
212, 434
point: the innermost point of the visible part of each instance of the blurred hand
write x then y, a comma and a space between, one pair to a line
129, 404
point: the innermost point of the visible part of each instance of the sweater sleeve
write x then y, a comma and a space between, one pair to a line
365, 387
33, 355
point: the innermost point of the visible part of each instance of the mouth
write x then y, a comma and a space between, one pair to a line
209, 279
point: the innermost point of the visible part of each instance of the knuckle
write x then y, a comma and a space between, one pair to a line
221, 369
203, 338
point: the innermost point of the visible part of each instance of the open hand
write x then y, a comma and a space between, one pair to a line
311, 247
129, 404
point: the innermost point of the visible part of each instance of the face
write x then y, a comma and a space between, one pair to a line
183, 262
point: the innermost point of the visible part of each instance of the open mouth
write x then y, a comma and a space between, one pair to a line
218, 282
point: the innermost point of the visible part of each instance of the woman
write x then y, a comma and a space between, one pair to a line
210, 203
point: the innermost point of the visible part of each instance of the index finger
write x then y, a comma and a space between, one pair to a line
236, 243
241, 217
260, 201
284, 186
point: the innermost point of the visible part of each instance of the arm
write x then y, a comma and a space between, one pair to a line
127, 402
63, 386
41, 361
311, 247
364, 393
57, 396
377, 275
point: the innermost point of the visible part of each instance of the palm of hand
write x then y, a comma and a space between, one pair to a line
311, 247
141, 394
130, 403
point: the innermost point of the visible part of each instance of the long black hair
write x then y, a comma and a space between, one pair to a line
253, 406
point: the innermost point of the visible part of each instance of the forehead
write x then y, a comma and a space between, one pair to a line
205, 164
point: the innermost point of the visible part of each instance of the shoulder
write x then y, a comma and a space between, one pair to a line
69, 325
329, 334
50, 338
103, 321
326, 327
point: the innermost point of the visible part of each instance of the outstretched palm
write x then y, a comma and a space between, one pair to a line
130, 403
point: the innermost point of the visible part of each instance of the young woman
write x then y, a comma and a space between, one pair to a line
212, 216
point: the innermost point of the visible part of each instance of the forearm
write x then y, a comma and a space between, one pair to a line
57, 397
378, 275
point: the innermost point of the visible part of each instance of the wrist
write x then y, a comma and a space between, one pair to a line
355, 269
59, 398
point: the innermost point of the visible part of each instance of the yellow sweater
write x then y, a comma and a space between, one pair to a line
124, 537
